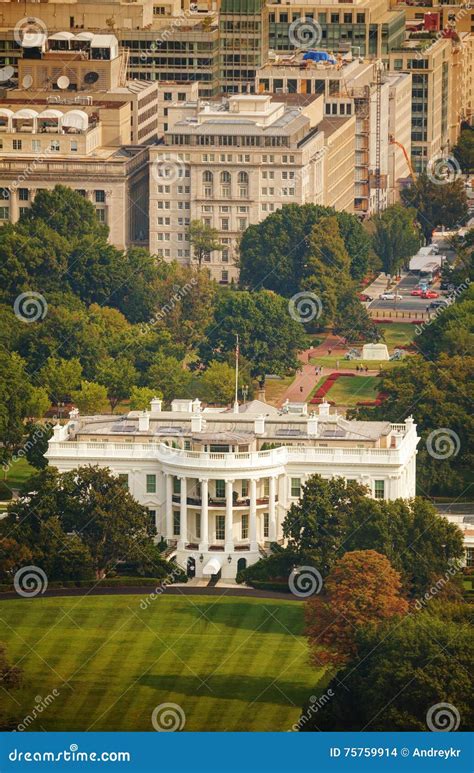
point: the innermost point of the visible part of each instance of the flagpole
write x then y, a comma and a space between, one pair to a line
236, 399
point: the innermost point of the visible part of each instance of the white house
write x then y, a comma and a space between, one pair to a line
218, 483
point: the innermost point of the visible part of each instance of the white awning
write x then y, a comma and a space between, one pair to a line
213, 566
27, 113
50, 113
66, 35
33, 39
78, 119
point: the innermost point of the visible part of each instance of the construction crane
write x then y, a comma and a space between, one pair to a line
378, 138
393, 141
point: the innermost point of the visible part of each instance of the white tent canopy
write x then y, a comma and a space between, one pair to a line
50, 113
26, 112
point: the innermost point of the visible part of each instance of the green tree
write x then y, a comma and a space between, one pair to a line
316, 525
203, 240
269, 336
60, 377
38, 403
326, 272
274, 253
90, 398
450, 331
463, 151
436, 203
67, 212
218, 383
13, 556
15, 396
11, 678
400, 673
36, 443
166, 374
361, 589
118, 376
141, 397
396, 237
352, 321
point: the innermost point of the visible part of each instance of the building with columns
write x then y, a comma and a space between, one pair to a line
218, 482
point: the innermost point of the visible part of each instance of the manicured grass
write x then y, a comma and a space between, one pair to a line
19, 473
398, 334
348, 390
337, 362
276, 387
231, 663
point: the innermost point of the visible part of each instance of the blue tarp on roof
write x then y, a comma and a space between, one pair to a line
319, 56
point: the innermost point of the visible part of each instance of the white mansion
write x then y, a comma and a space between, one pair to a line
218, 483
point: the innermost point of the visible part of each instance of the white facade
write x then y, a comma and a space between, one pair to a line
218, 484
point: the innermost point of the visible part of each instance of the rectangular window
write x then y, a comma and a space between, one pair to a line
123, 478
17, 144
23, 194
151, 484
220, 489
176, 486
266, 487
198, 525
100, 197
73, 146
245, 488
244, 529
36, 146
176, 523
266, 525
220, 526
379, 489
296, 487
152, 515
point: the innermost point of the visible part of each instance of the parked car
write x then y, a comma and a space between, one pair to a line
390, 297
439, 304
364, 297
417, 291
430, 294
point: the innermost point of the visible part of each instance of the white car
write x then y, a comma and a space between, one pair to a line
390, 297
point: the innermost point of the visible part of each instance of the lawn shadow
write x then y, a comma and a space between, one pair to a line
260, 617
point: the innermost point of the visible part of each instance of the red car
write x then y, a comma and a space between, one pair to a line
430, 294
364, 297
417, 291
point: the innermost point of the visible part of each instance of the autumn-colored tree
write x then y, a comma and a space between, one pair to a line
361, 589
12, 557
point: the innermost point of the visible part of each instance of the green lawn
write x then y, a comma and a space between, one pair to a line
231, 663
398, 334
348, 390
19, 473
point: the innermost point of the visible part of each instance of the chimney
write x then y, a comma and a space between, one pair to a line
156, 404
312, 425
196, 422
259, 425
144, 422
324, 409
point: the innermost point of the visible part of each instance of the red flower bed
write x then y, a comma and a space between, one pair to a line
416, 322
370, 403
319, 400
383, 321
326, 386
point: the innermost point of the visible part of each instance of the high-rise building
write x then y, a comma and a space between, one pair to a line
77, 121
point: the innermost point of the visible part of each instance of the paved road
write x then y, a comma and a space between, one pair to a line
146, 590
408, 302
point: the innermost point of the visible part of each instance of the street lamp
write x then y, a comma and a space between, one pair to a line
245, 391
229, 559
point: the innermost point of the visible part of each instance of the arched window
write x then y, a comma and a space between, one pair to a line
243, 178
207, 177
225, 178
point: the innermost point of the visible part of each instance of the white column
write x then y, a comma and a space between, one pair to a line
253, 515
183, 512
271, 510
229, 539
169, 505
204, 544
